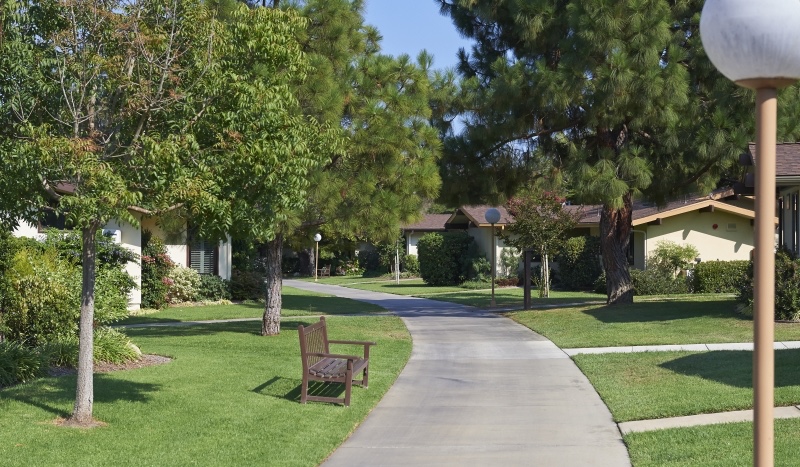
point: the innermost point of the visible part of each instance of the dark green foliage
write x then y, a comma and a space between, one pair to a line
156, 265
579, 263
68, 245
62, 351
112, 346
719, 276
474, 265
787, 287
656, 282
213, 288
370, 261
19, 363
411, 264
247, 285
447, 258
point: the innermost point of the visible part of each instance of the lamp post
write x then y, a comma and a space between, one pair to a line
317, 238
493, 217
757, 45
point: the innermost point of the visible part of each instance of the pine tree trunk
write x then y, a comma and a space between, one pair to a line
84, 395
271, 324
615, 231
307, 262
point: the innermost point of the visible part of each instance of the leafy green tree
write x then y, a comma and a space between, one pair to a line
90, 92
540, 224
616, 98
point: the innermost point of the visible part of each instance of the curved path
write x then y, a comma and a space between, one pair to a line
479, 389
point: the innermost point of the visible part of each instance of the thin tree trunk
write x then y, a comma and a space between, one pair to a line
546, 275
271, 324
615, 231
84, 396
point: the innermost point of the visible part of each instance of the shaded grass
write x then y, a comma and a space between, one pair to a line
727, 445
229, 397
702, 320
295, 303
504, 296
650, 385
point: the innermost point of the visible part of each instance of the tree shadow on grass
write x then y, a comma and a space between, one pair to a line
54, 394
735, 367
200, 330
665, 311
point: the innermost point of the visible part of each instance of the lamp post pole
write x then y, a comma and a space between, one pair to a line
317, 238
493, 217
755, 45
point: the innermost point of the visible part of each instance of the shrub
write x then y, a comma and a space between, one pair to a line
155, 267
719, 276
444, 257
19, 363
787, 287
370, 261
507, 281
657, 282
183, 284
112, 286
112, 346
43, 299
69, 245
62, 351
213, 288
411, 264
671, 258
578, 264
509, 262
247, 285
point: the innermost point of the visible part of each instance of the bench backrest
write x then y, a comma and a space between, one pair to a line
313, 339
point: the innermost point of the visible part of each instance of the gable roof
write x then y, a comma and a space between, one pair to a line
475, 216
787, 161
429, 223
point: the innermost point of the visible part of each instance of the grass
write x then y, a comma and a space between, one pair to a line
728, 445
653, 385
229, 397
295, 303
705, 319
504, 297
345, 280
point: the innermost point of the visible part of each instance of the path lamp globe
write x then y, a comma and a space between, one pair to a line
493, 217
757, 46
317, 238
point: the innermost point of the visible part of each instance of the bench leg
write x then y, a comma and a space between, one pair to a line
348, 384
304, 390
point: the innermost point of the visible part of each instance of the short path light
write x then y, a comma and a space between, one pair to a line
493, 217
756, 44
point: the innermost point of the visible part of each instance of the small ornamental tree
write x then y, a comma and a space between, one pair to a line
540, 224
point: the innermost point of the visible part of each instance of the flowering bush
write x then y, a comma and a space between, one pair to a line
182, 284
155, 267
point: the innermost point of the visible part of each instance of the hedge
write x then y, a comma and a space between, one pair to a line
447, 258
719, 276
579, 265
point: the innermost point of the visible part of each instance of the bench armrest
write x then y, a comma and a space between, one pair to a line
332, 355
352, 342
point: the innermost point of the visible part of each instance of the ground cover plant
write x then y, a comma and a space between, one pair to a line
295, 303
228, 397
728, 445
691, 320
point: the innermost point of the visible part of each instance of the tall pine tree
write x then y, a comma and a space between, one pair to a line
618, 96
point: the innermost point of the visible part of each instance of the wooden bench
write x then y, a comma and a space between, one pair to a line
325, 271
321, 365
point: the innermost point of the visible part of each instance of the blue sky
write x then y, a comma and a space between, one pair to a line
408, 26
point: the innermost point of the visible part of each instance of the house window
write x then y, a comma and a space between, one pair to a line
203, 256
51, 220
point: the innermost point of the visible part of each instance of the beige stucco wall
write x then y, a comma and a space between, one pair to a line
483, 237
731, 240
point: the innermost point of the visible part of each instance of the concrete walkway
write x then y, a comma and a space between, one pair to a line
478, 390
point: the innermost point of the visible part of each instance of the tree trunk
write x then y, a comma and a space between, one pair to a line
84, 396
306, 262
546, 263
271, 324
615, 231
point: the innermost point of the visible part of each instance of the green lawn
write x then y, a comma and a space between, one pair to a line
728, 445
504, 296
705, 319
650, 385
295, 303
346, 280
229, 397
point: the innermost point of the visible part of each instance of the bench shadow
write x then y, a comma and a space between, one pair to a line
60, 392
735, 367
289, 388
665, 311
